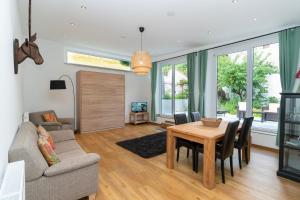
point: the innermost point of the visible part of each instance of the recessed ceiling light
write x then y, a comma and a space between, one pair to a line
235, 1
170, 13
83, 7
209, 33
72, 24
254, 19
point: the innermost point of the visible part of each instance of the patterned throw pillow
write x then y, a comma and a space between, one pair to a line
47, 151
43, 133
49, 117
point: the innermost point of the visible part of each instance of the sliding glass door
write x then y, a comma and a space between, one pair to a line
248, 84
232, 85
174, 87
266, 87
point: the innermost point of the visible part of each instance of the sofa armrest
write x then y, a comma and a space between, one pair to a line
72, 164
62, 135
66, 120
51, 126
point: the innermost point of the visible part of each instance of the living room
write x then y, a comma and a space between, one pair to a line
149, 99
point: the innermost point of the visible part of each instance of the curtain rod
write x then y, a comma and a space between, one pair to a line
231, 43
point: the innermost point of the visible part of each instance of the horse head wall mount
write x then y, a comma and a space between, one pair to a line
29, 49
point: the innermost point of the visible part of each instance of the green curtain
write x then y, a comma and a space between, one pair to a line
289, 49
153, 90
191, 62
202, 63
289, 44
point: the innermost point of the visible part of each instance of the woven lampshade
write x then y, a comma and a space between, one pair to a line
141, 62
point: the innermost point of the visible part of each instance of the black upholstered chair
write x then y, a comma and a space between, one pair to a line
242, 141
195, 116
182, 119
224, 149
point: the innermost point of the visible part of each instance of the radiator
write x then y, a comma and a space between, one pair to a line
13, 185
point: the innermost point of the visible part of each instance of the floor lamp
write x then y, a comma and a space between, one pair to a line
60, 84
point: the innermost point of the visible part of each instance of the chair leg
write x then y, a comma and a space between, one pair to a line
231, 166
194, 160
246, 155
222, 171
188, 152
178, 151
240, 158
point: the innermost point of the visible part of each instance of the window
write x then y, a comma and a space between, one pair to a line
249, 85
97, 61
174, 87
232, 84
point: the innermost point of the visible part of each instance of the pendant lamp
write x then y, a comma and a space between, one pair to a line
141, 62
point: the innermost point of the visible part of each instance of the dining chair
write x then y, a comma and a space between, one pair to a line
242, 141
224, 149
182, 119
195, 116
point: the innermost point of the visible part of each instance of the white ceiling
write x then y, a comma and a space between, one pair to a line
112, 25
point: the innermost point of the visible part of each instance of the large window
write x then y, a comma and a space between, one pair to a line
96, 61
174, 87
249, 85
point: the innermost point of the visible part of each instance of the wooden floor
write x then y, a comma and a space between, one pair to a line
124, 175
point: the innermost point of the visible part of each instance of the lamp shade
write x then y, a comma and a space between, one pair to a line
141, 62
57, 85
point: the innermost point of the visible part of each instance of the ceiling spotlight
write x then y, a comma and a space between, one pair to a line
72, 24
209, 33
254, 19
235, 1
83, 7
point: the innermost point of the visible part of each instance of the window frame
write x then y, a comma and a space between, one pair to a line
249, 47
173, 62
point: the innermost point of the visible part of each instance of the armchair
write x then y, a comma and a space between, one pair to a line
62, 123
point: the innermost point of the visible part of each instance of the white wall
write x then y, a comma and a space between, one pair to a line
10, 84
36, 82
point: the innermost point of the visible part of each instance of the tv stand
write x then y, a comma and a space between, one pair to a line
139, 117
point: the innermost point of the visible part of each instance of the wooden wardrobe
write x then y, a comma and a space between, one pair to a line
100, 101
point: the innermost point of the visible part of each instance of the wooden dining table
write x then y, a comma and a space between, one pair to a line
197, 132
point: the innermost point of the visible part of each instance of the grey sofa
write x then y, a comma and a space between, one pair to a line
62, 124
75, 177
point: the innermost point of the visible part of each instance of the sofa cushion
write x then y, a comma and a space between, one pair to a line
47, 151
71, 154
49, 117
43, 133
25, 147
65, 146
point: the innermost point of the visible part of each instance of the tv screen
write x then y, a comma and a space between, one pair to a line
139, 107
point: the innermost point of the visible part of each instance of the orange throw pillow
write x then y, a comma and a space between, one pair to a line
47, 151
49, 117
43, 133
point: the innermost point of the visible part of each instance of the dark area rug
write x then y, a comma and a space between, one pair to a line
147, 146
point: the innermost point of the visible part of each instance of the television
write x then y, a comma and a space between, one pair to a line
139, 107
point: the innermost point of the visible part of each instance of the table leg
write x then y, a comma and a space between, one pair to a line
170, 149
209, 168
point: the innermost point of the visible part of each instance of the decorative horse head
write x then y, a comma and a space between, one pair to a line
28, 49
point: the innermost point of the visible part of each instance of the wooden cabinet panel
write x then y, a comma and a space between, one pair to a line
100, 101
